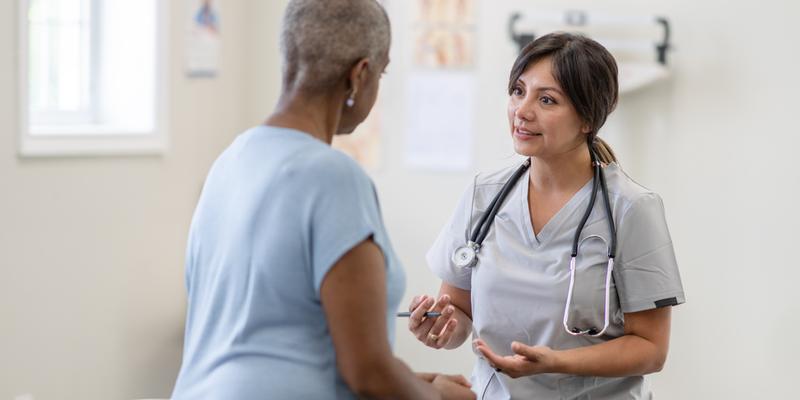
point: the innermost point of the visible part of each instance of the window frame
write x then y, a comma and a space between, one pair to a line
95, 140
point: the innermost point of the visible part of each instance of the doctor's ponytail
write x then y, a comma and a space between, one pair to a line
587, 73
603, 151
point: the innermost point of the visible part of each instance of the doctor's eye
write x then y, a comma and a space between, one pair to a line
547, 100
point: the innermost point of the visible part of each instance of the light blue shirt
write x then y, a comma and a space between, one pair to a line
278, 210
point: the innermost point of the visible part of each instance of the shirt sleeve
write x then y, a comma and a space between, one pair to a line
452, 236
344, 212
646, 272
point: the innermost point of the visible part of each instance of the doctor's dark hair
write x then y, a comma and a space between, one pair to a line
321, 40
587, 73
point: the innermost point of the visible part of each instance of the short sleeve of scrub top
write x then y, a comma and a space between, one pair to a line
454, 234
646, 271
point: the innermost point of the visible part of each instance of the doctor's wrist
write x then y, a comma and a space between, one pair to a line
558, 363
570, 362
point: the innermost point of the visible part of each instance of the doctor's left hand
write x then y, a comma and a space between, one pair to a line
527, 360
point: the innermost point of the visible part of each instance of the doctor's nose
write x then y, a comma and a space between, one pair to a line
524, 114
525, 111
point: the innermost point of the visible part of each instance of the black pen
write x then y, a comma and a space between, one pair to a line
428, 314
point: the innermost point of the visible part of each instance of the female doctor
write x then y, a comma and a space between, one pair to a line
562, 268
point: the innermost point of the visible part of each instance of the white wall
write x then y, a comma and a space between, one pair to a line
92, 299
91, 250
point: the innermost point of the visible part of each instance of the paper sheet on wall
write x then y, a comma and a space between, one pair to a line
440, 120
203, 39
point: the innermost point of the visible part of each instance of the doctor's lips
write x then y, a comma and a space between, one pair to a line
522, 131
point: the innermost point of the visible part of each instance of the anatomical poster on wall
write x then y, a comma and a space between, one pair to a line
440, 88
443, 33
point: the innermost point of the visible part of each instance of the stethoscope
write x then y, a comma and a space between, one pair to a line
467, 256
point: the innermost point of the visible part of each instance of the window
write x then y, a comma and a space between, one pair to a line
93, 76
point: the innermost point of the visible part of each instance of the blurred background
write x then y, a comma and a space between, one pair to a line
93, 226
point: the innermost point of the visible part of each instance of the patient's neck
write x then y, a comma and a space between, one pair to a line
316, 115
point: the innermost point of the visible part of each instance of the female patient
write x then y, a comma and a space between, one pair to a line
292, 279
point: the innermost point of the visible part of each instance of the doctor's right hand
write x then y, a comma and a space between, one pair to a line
434, 332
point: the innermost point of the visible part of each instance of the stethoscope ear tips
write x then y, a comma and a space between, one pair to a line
591, 332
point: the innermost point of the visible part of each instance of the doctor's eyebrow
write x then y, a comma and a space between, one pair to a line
543, 88
550, 89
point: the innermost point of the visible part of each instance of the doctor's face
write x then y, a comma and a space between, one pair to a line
543, 122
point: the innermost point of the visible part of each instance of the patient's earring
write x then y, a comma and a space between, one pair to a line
351, 101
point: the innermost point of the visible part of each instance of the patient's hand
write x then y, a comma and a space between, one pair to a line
454, 387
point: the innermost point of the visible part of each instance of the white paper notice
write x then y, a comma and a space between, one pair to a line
440, 120
203, 39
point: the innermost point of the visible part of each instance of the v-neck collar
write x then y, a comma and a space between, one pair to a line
551, 228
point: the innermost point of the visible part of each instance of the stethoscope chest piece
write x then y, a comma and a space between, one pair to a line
466, 256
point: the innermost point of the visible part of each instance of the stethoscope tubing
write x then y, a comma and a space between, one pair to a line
481, 230
598, 180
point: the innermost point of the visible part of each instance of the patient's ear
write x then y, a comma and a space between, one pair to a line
358, 76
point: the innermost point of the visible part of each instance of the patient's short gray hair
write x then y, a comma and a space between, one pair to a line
322, 39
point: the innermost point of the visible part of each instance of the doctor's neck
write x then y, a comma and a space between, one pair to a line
568, 171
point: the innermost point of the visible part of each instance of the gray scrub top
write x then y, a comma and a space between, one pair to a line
519, 285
